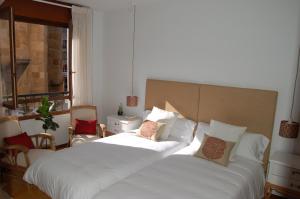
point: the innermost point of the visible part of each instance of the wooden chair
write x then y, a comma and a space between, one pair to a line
19, 155
84, 112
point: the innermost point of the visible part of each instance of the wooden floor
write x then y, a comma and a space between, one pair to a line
18, 189
21, 191
276, 197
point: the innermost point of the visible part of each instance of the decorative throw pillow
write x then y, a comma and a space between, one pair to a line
215, 149
151, 130
87, 127
163, 116
227, 132
21, 139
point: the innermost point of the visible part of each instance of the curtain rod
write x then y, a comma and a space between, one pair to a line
55, 3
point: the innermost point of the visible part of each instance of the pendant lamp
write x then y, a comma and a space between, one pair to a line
290, 128
132, 100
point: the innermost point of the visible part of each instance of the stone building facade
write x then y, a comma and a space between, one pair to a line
39, 58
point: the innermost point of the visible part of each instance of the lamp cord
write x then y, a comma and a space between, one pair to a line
295, 85
133, 49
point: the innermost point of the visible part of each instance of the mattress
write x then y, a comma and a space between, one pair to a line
82, 171
184, 176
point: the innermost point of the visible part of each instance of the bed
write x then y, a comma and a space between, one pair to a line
185, 176
81, 171
119, 167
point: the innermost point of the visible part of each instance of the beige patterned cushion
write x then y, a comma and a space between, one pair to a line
215, 150
151, 130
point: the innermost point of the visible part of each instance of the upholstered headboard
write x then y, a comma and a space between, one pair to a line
179, 97
200, 102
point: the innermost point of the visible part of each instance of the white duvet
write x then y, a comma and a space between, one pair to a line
82, 171
188, 177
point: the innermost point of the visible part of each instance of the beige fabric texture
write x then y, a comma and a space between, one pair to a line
151, 130
215, 150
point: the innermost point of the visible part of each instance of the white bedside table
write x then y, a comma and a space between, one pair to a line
117, 124
283, 175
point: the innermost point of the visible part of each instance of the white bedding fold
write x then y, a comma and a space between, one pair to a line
82, 171
183, 176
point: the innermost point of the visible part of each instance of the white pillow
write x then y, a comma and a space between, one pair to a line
225, 131
163, 116
183, 129
202, 128
252, 146
145, 114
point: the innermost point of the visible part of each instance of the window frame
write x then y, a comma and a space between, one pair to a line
28, 19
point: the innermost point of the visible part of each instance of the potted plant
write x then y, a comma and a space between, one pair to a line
45, 115
120, 110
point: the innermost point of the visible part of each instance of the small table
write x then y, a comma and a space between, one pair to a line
283, 175
118, 124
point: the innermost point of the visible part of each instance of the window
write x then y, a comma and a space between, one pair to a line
34, 61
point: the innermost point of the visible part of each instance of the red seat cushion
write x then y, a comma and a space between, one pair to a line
87, 127
21, 139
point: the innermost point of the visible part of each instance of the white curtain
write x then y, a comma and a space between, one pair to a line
81, 55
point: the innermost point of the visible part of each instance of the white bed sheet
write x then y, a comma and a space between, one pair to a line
188, 177
81, 172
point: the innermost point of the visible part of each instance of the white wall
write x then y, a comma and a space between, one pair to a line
97, 69
61, 134
243, 43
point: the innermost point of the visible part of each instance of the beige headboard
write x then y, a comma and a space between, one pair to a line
240, 106
178, 97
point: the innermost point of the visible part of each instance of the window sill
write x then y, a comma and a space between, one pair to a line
30, 117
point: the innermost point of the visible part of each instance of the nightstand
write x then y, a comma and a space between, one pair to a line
283, 175
118, 124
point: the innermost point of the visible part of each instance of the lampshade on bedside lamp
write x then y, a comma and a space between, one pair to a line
132, 101
289, 129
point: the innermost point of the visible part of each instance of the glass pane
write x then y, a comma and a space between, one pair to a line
5, 59
41, 65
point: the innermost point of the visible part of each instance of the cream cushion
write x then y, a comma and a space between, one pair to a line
163, 116
215, 149
33, 155
225, 131
81, 139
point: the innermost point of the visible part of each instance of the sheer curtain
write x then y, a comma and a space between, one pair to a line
81, 55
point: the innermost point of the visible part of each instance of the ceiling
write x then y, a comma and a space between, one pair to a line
107, 5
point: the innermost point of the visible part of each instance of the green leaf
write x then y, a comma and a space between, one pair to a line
45, 114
